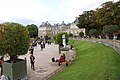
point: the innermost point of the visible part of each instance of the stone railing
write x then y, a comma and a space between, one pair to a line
53, 73
115, 44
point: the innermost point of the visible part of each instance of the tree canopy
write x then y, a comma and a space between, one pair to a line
15, 39
106, 14
33, 30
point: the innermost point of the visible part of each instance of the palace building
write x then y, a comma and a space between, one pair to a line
47, 29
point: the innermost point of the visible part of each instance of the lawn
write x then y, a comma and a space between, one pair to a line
93, 61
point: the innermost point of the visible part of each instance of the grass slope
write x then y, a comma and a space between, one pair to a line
93, 62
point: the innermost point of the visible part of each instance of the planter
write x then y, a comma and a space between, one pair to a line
15, 70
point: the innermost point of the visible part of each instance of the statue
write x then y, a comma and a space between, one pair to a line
64, 40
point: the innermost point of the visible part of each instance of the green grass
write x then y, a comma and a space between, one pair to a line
92, 62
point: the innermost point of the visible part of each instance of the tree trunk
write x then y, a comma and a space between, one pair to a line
13, 58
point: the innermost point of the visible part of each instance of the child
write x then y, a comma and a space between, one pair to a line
68, 62
32, 60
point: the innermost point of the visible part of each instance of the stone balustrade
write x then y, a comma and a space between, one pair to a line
115, 44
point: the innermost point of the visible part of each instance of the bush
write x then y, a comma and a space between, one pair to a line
81, 34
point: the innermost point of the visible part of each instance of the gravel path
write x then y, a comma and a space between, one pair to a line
43, 64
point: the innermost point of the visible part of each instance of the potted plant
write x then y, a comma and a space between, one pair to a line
14, 42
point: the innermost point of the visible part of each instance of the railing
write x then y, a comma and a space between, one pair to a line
115, 44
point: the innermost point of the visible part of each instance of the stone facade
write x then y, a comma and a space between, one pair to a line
47, 29
74, 29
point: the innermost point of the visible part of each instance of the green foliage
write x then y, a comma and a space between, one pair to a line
58, 38
81, 34
93, 32
15, 39
106, 14
115, 13
33, 30
70, 35
47, 37
1, 31
109, 29
1, 35
86, 20
92, 62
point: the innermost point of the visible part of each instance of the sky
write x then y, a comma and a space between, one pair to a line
37, 11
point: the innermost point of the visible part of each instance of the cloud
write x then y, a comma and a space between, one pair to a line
22, 8
69, 9
73, 8
23, 21
37, 11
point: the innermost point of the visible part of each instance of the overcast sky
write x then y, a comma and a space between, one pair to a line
38, 11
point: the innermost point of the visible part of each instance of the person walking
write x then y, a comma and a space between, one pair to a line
1, 61
41, 45
31, 50
32, 60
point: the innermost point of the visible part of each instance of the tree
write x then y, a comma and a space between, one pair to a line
33, 30
81, 34
106, 14
109, 29
58, 38
15, 40
46, 37
1, 31
0, 35
87, 20
116, 13
93, 32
